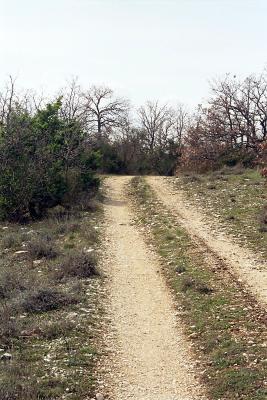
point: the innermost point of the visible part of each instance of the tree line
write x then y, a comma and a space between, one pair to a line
231, 128
51, 149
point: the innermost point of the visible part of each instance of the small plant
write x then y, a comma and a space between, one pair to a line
67, 227
90, 234
42, 247
12, 280
196, 285
230, 218
187, 283
9, 327
180, 269
263, 220
11, 240
211, 187
77, 264
192, 179
57, 329
46, 299
263, 216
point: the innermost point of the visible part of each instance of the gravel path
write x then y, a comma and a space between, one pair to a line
242, 262
151, 357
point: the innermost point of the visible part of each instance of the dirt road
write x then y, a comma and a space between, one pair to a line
151, 357
239, 260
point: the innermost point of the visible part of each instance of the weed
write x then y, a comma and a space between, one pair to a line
263, 216
11, 240
211, 187
68, 226
180, 269
90, 234
57, 329
187, 283
10, 327
45, 299
42, 247
192, 179
77, 264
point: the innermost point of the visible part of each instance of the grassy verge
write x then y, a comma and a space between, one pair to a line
224, 323
49, 304
236, 198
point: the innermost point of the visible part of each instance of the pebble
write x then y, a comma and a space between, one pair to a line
6, 357
36, 262
99, 396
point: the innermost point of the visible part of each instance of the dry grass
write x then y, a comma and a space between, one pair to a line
235, 198
43, 246
43, 325
46, 299
77, 264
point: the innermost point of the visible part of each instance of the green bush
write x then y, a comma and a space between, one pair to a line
40, 154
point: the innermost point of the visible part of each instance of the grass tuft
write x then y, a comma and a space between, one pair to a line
46, 299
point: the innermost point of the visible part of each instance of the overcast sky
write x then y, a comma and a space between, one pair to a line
144, 49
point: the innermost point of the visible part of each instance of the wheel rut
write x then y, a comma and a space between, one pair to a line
240, 261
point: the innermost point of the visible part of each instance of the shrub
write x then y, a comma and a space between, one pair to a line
57, 329
191, 179
187, 283
90, 234
180, 269
67, 227
193, 284
10, 327
42, 247
211, 187
11, 279
263, 219
77, 264
11, 240
45, 299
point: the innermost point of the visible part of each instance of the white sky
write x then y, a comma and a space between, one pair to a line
144, 49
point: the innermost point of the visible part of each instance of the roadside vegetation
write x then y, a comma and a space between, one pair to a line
50, 289
235, 198
223, 322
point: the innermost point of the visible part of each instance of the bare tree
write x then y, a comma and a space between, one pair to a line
156, 121
239, 109
73, 104
162, 124
104, 111
7, 99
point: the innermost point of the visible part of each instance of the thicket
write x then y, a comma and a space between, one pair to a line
44, 158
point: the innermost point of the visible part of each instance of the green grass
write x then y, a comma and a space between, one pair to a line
224, 323
235, 198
